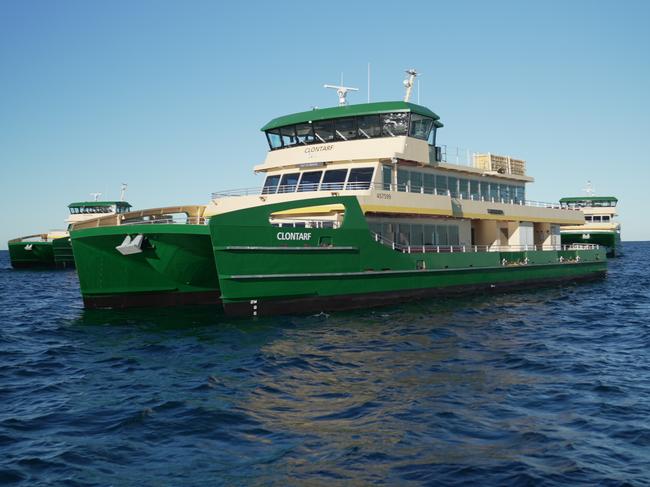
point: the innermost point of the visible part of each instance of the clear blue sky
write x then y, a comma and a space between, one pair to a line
169, 96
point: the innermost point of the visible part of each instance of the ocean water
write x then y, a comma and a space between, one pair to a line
550, 387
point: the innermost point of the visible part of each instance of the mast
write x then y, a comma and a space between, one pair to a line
408, 83
342, 91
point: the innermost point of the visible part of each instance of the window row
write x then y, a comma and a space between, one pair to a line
418, 182
350, 128
332, 179
597, 218
92, 209
417, 234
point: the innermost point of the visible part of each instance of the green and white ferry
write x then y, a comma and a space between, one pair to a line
359, 207
53, 248
600, 226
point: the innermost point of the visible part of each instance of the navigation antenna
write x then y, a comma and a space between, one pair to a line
589, 189
342, 91
123, 191
408, 82
95, 196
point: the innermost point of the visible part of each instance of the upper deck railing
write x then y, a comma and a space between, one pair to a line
364, 186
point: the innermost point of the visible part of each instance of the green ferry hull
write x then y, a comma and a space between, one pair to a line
610, 240
174, 267
346, 268
62, 252
39, 255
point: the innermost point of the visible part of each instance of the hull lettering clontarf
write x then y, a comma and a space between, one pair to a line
294, 236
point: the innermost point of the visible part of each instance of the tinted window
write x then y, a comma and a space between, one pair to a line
420, 126
288, 136
334, 179
288, 183
275, 141
305, 133
346, 129
453, 186
416, 182
309, 181
402, 180
360, 178
394, 124
473, 189
324, 130
369, 126
271, 184
441, 184
429, 183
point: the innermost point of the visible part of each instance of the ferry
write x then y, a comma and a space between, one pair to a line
359, 207
53, 248
600, 226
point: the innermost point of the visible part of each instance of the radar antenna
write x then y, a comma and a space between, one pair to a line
408, 82
342, 91
123, 191
589, 189
95, 196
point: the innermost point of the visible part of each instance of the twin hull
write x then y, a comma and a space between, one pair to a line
55, 253
265, 270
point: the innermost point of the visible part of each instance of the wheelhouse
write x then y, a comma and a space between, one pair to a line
353, 122
589, 202
98, 207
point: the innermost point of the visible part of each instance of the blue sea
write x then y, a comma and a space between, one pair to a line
549, 387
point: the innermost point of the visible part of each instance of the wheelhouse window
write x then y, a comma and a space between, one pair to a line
324, 130
271, 184
274, 138
305, 133
309, 181
334, 179
288, 136
345, 128
360, 178
420, 126
369, 126
394, 124
288, 182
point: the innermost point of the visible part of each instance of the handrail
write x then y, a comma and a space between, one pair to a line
150, 215
364, 186
411, 249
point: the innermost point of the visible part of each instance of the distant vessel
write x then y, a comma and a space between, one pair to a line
53, 249
600, 226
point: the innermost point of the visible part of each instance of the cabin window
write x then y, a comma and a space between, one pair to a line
587, 218
288, 182
394, 124
429, 231
275, 141
334, 179
441, 235
403, 233
485, 189
520, 194
494, 191
596, 218
369, 126
416, 235
324, 130
441, 184
453, 186
474, 190
309, 181
387, 173
463, 188
402, 179
605, 218
513, 193
428, 183
453, 235
305, 133
288, 136
360, 178
345, 128
271, 184
388, 231
416, 182
504, 194
420, 126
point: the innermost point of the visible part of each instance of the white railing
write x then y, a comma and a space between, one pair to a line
364, 186
420, 249
192, 220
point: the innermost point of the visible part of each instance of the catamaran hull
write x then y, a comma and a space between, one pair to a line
172, 266
440, 288
611, 241
31, 255
266, 270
